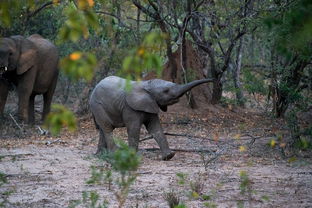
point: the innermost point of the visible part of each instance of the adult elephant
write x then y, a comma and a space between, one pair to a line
31, 64
114, 106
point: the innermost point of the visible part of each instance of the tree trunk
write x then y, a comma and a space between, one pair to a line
216, 91
236, 74
292, 81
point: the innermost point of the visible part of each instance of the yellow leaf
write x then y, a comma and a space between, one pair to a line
195, 195
91, 3
75, 56
292, 159
85, 4
237, 136
242, 148
216, 137
141, 52
56, 1
272, 143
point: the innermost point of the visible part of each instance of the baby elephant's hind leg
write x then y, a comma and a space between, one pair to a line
105, 130
102, 142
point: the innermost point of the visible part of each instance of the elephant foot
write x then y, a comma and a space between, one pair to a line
100, 152
168, 156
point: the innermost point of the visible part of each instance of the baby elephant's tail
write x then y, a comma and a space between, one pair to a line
96, 125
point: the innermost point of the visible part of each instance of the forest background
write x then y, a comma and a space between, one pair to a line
258, 52
248, 46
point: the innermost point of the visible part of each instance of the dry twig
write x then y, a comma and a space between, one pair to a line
20, 128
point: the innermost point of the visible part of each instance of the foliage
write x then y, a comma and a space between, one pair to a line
245, 183
79, 65
90, 199
3, 178
144, 58
193, 188
10, 8
125, 159
253, 83
172, 199
79, 21
301, 137
124, 162
292, 28
60, 117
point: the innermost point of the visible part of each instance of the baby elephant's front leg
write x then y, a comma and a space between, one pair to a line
155, 129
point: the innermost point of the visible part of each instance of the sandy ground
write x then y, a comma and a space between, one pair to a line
44, 171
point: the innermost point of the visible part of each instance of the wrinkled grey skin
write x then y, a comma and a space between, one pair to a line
112, 107
31, 64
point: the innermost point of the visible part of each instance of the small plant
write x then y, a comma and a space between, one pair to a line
90, 199
99, 176
245, 187
5, 195
182, 177
172, 199
124, 162
210, 205
192, 188
3, 178
197, 187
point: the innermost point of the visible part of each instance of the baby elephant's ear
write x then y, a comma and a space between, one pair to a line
139, 99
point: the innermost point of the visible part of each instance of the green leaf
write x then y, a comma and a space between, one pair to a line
79, 65
60, 117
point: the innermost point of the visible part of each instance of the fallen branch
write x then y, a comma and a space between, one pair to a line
55, 141
42, 131
182, 135
20, 128
215, 157
18, 155
181, 150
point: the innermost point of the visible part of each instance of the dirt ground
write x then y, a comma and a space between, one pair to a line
214, 146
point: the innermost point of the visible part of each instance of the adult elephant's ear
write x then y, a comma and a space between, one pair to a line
139, 99
28, 56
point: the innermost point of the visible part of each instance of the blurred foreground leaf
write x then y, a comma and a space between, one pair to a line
125, 158
144, 58
79, 22
60, 117
79, 65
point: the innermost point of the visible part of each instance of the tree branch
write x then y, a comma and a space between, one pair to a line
39, 9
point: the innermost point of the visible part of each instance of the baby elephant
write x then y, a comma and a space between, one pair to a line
114, 106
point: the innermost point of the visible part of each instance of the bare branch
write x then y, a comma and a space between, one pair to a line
117, 17
49, 3
20, 128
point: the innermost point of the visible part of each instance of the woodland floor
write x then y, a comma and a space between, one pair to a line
213, 146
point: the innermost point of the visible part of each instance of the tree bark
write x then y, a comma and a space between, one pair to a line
292, 81
163, 27
236, 74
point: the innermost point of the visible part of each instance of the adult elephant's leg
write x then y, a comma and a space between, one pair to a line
154, 128
24, 90
23, 102
4, 90
47, 98
31, 109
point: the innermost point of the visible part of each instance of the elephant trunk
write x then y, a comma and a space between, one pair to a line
182, 89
